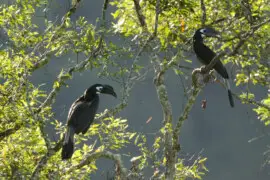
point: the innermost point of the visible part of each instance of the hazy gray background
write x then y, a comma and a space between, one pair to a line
220, 131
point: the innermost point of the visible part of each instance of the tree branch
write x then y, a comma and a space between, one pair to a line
213, 62
105, 154
196, 88
236, 48
156, 18
246, 36
10, 131
139, 14
167, 123
166, 107
248, 101
169, 142
251, 101
203, 13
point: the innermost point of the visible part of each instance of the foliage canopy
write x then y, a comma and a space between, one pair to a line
160, 29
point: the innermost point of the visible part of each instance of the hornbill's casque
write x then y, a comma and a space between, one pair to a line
205, 55
81, 115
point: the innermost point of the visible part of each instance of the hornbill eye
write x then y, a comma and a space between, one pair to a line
203, 31
99, 89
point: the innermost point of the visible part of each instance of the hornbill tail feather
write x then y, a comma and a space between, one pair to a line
230, 98
230, 93
68, 144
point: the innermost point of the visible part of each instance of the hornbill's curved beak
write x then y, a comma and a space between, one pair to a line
107, 89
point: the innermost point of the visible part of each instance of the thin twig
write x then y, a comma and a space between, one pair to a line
251, 101
247, 100
216, 21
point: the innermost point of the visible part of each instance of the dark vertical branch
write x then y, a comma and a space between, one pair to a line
103, 18
104, 9
156, 17
203, 13
139, 13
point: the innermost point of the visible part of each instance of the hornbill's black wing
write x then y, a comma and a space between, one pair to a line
205, 55
82, 114
80, 117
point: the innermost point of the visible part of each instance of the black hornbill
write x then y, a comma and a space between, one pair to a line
205, 55
81, 115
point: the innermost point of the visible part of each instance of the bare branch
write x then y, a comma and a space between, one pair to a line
185, 67
105, 154
139, 13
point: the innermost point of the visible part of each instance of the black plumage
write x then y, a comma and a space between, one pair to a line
81, 115
205, 55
